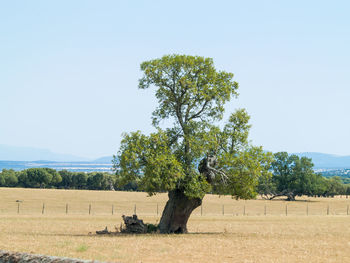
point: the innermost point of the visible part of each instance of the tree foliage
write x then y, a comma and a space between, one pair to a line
192, 92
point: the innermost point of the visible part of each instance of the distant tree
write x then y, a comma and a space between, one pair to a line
193, 157
56, 178
347, 190
319, 185
294, 176
99, 181
2, 179
35, 178
8, 178
334, 186
67, 179
80, 180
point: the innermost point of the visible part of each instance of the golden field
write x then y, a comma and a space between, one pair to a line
223, 230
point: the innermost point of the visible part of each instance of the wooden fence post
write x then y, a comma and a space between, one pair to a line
286, 209
135, 209
201, 209
43, 210
307, 209
244, 210
265, 210
347, 210
66, 208
112, 209
89, 209
18, 208
328, 210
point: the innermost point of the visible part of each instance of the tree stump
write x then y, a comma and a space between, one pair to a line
134, 225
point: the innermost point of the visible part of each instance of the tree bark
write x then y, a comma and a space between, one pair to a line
177, 212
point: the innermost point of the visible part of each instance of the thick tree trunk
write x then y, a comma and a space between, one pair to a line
177, 212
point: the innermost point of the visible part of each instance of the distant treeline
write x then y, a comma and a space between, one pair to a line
50, 178
297, 180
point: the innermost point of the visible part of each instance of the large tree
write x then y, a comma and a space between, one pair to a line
194, 156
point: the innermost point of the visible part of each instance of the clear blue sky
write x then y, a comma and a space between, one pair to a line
69, 69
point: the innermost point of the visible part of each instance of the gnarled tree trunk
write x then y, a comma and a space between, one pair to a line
177, 212
179, 207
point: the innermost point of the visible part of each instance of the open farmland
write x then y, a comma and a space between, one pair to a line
223, 230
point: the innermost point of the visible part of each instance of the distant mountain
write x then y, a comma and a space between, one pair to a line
105, 159
327, 161
29, 154
15, 153
70, 166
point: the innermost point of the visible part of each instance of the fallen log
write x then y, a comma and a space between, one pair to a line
103, 232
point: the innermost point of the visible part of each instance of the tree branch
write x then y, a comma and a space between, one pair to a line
196, 115
224, 177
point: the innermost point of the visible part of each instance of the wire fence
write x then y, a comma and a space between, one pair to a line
242, 208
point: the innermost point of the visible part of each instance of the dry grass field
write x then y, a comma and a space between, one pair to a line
224, 230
